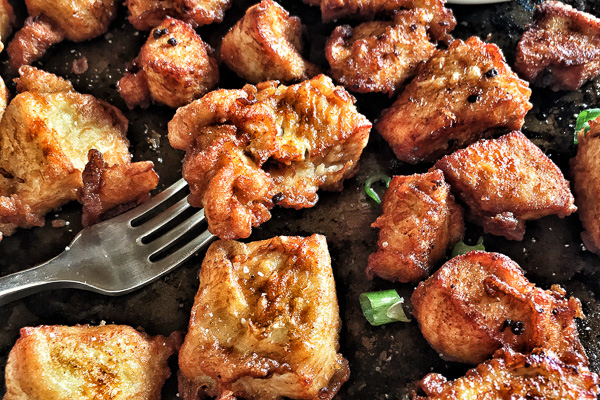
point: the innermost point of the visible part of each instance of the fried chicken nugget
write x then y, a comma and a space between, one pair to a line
505, 182
174, 68
45, 136
147, 14
460, 95
88, 362
266, 44
249, 149
7, 22
511, 375
420, 222
561, 49
479, 302
441, 24
585, 169
264, 323
380, 56
51, 21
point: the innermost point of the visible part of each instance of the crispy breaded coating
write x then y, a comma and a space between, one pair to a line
147, 14
460, 95
7, 22
45, 136
479, 302
264, 323
249, 149
441, 24
511, 375
561, 48
112, 190
420, 222
267, 44
175, 66
380, 56
51, 21
505, 182
88, 362
585, 169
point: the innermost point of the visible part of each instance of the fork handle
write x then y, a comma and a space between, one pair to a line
49, 275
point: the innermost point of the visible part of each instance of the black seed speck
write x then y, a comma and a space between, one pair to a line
507, 323
518, 328
172, 41
278, 198
491, 73
159, 32
472, 98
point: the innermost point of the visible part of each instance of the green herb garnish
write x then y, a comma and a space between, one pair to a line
383, 307
583, 120
376, 178
462, 248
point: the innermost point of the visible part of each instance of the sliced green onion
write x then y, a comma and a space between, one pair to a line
583, 120
382, 307
462, 247
376, 178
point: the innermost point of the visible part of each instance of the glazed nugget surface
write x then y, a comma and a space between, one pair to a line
45, 136
460, 95
585, 170
380, 56
420, 222
147, 14
51, 21
175, 66
266, 44
511, 375
505, 182
479, 302
561, 48
442, 22
87, 362
249, 149
264, 322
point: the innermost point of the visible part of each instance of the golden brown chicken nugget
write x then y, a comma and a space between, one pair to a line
88, 362
585, 168
51, 21
380, 56
7, 22
505, 182
267, 44
479, 302
264, 323
442, 22
420, 222
511, 375
561, 48
460, 95
249, 149
147, 14
174, 68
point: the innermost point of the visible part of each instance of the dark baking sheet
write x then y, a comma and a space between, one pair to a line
385, 361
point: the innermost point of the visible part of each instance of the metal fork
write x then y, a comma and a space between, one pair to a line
112, 257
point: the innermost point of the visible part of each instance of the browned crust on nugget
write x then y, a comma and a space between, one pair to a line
585, 169
420, 223
561, 48
479, 302
380, 56
505, 182
147, 14
460, 95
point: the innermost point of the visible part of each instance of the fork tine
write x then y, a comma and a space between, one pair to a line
174, 234
179, 256
163, 218
158, 199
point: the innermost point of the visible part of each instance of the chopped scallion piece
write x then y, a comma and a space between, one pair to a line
376, 178
583, 120
382, 307
462, 247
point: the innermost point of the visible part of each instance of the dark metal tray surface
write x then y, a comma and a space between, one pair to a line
387, 361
